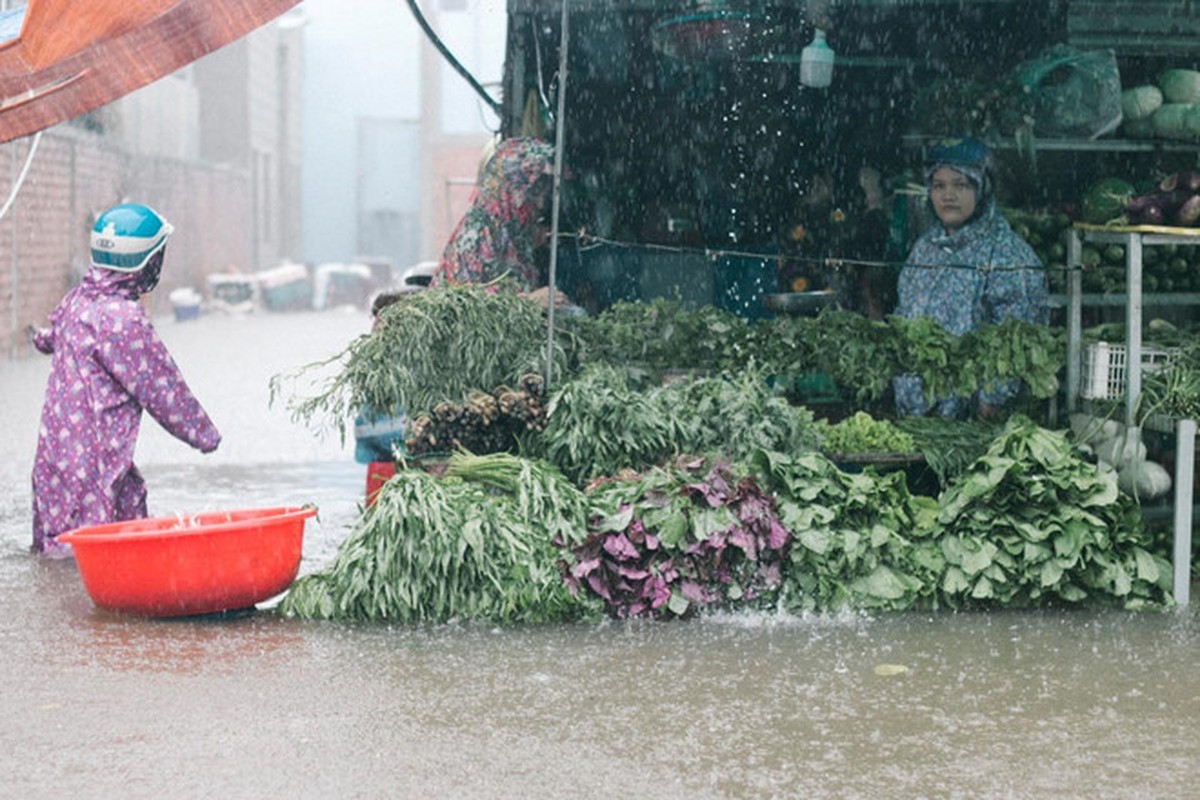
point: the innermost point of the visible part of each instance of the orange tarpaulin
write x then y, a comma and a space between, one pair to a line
71, 57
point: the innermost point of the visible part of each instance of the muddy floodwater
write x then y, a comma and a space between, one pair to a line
97, 705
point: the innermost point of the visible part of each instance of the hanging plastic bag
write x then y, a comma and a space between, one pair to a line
1076, 93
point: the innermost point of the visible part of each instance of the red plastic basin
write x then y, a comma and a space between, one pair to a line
198, 564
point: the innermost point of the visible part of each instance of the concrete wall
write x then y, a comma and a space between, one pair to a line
75, 176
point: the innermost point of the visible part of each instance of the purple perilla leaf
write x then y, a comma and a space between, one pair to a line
619, 546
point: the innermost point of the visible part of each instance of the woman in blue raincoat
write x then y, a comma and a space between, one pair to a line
108, 366
969, 269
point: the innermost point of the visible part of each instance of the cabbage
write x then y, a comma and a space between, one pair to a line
1106, 199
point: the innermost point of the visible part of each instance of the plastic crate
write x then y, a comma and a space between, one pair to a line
1105, 368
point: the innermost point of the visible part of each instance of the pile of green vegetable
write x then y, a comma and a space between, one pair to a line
438, 345
507, 539
598, 423
860, 355
862, 433
650, 338
678, 539
859, 540
1031, 521
476, 544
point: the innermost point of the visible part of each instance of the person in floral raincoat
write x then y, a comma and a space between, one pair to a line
108, 365
969, 269
503, 227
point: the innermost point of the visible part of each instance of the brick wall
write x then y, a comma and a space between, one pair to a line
75, 176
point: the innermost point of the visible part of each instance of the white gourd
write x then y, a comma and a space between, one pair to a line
1145, 480
1180, 85
1122, 450
1139, 102
1170, 120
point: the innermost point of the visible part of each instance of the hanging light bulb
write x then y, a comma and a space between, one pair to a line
816, 62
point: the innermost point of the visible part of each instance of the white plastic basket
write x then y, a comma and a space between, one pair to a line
1105, 367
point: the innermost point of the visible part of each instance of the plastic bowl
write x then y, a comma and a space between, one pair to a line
199, 564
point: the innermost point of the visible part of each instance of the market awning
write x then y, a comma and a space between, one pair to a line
62, 58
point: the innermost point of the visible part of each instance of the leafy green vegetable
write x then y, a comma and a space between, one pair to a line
597, 424
679, 539
862, 433
474, 545
1031, 521
438, 344
861, 540
734, 416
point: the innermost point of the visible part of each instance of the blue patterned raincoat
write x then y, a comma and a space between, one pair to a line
947, 278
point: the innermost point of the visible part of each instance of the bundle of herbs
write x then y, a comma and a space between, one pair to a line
653, 337
862, 433
784, 346
437, 345
861, 355
1013, 350
1031, 522
948, 445
734, 416
677, 540
860, 540
597, 424
476, 544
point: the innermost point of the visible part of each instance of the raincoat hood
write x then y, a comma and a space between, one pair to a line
515, 179
985, 225
497, 234
100, 281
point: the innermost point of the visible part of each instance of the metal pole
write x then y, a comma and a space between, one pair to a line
559, 130
1185, 462
1074, 318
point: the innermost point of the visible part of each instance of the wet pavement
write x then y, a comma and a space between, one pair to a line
97, 705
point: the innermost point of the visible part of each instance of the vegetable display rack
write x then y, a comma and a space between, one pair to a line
1134, 239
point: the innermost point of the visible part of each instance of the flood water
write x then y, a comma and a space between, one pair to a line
96, 705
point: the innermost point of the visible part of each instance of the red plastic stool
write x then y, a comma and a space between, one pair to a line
378, 473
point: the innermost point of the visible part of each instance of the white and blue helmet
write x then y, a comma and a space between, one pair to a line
127, 236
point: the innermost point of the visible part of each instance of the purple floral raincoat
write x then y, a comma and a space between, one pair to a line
496, 235
108, 365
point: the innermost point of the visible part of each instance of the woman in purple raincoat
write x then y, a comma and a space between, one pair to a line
108, 365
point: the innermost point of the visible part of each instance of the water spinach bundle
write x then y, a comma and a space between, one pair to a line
597, 424
440, 344
476, 544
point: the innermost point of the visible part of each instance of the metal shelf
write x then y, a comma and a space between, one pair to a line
1078, 145
1121, 300
1134, 301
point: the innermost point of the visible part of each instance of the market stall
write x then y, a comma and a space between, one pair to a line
721, 429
